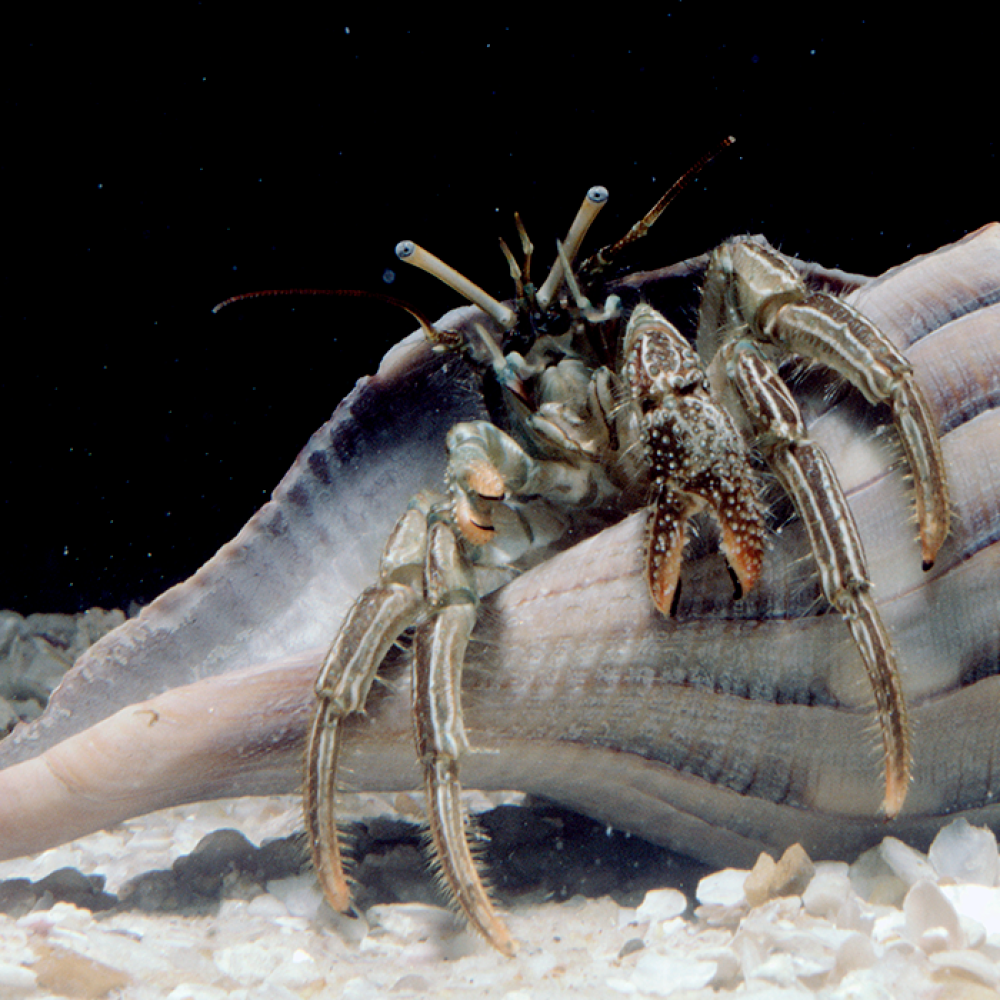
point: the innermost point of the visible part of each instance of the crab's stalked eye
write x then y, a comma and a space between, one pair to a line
412, 253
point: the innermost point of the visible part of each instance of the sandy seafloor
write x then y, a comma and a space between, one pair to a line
930, 929
171, 905
929, 937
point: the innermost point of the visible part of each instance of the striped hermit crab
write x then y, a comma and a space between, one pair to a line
605, 407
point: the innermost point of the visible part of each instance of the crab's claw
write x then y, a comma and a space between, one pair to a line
742, 539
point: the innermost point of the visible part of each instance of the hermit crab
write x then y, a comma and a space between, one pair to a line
603, 407
730, 728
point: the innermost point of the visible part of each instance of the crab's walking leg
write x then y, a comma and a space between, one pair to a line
374, 623
439, 648
485, 467
808, 478
749, 279
825, 328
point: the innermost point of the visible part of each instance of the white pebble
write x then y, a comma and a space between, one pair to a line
295, 973
300, 894
873, 880
661, 904
855, 915
728, 970
965, 853
723, 888
976, 902
267, 906
786, 970
16, 977
856, 952
663, 975
412, 920
233, 910
889, 927
972, 931
250, 963
661, 930
931, 919
972, 963
827, 892
907, 864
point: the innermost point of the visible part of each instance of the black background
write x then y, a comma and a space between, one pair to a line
157, 165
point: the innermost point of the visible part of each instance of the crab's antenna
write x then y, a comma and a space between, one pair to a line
605, 255
436, 337
595, 200
416, 255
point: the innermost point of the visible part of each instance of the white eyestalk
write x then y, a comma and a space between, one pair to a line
596, 199
416, 255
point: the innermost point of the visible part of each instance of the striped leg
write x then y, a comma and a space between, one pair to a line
439, 649
809, 480
377, 619
751, 286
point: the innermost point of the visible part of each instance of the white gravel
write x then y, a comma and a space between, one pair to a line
895, 924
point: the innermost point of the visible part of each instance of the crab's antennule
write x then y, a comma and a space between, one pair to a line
512, 264
526, 248
595, 200
411, 253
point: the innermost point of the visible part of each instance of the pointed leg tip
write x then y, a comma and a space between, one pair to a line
929, 548
889, 810
336, 890
928, 551
329, 868
895, 798
453, 857
932, 536
499, 938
